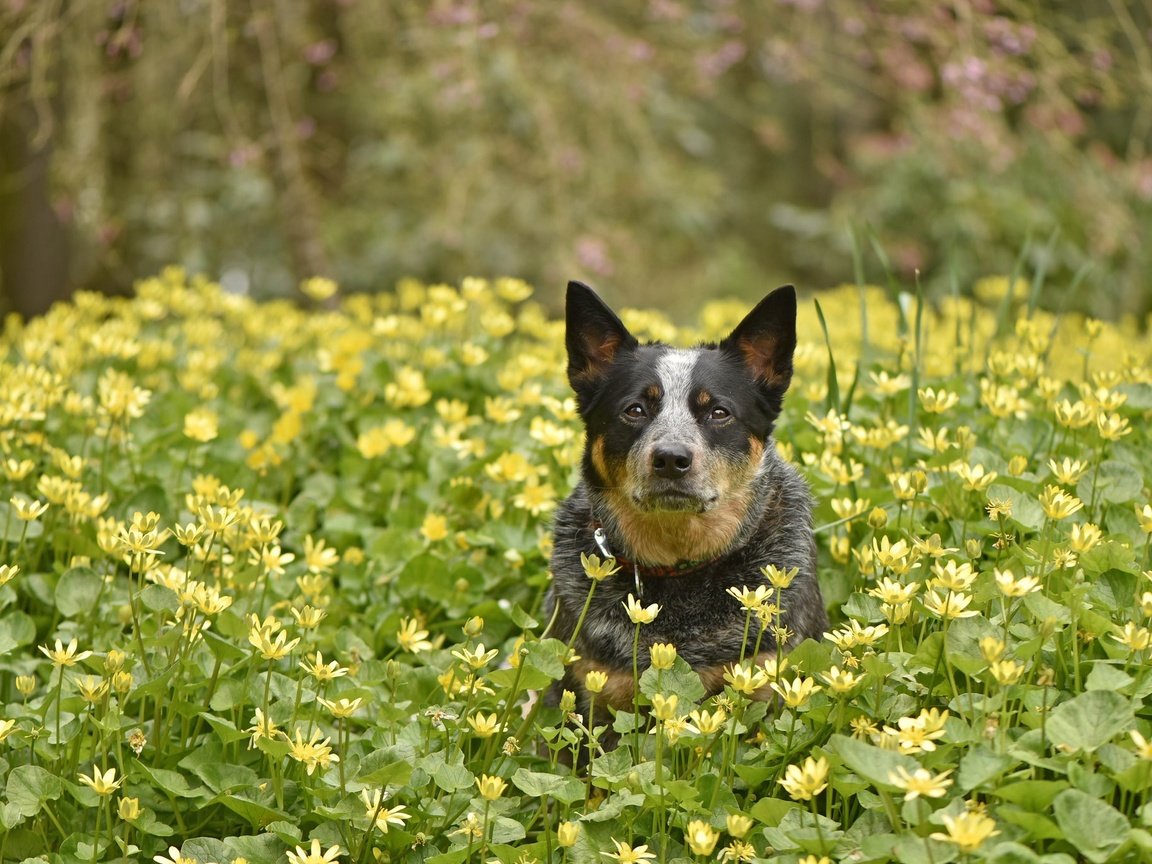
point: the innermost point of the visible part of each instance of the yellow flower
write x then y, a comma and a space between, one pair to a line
745, 678
950, 605
738, 825
1135, 638
920, 782
412, 637
892, 592
485, 726
491, 787
271, 648
567, 833
174, 857
535, 497
778, 578
341, 707
1144, 517
61, 656
1058, 504
202, 425
8, 572
128, 809
1073, 415
1112, 427
1143, 746
315, 752
1067, 471
27, 510
476, 658
638, 614
1010, 586
1006, 672
663, 655
708, 723
664, 707
748, 598
737, 851
1084, 536
890, 554
701, 837
434, 527
968, 830
937, 401
992, 648
626, 854
796, 693
7, 727
975, 477
841, 681
309, 617
598, 570
384, 817
314, 855
595, 680
316, 667
318, 288
92, 689
952, 575
102, 784
804, 782
318, 557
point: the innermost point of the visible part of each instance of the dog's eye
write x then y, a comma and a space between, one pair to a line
718, 414
635, 411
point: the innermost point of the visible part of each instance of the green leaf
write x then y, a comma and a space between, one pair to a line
1036, 795
1093, 827
1104, 676
392, 765
1108, 555
1091, 719
771, 810
871, 763
258, 815
16, 630
979, 766
565, 789
77, 591
30, 787
263, 849
1116, 483
611, 809
171, 782
681, 680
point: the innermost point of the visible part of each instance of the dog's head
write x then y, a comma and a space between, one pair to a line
671, 430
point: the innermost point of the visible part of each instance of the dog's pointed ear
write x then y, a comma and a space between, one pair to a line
766, 339
595, 336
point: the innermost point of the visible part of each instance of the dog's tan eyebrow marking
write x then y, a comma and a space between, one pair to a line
703, 398
654, 392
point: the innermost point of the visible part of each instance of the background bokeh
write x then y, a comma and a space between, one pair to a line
665, 151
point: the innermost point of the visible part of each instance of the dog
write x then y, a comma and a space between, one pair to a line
681, 484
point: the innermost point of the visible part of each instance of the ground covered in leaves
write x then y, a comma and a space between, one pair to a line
271, 582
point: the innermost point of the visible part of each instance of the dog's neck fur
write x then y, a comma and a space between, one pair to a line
668, 539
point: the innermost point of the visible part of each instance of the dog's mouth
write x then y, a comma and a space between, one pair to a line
674, 501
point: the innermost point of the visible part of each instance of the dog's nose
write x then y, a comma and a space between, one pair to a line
671, 462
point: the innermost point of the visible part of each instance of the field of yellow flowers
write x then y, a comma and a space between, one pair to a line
271, 581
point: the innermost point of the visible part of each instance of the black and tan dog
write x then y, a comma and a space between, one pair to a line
682, 479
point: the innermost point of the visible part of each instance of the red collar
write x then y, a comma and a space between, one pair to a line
680, 568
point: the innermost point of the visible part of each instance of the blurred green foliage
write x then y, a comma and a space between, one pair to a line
672, 149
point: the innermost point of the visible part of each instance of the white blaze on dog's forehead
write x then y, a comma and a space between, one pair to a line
674, 370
